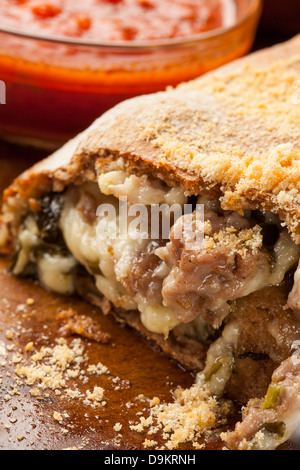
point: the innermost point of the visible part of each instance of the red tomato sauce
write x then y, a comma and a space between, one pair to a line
55, 89
115, 20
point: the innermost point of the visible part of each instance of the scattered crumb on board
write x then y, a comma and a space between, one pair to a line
59, 368
193, 412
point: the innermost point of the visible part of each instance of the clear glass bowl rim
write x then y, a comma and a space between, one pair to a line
254, 9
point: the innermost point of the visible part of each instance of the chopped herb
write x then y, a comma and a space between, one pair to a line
217, 365
272, 397
48, 216
277, 427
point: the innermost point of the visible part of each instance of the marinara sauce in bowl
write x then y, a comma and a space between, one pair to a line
65, 62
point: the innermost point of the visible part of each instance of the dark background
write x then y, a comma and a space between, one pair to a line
280, 21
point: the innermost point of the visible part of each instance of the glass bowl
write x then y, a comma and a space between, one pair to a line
55, 88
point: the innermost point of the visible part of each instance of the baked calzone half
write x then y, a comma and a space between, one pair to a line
225, 304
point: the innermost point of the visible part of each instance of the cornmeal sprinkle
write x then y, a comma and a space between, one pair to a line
193, 412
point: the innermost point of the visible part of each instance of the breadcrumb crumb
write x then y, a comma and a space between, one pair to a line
193, 412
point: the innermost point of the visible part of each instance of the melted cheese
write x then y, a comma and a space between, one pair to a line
286, 255
139, 189
158, 319
219, 361
108, 257
55, 272
96, 253
28, 239
110, 253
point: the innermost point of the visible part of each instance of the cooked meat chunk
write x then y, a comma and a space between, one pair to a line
271, 421
265, 325
267, 334
251, 375
205, 276
144, 282
257, 336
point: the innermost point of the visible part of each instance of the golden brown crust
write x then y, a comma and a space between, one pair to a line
233, 132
